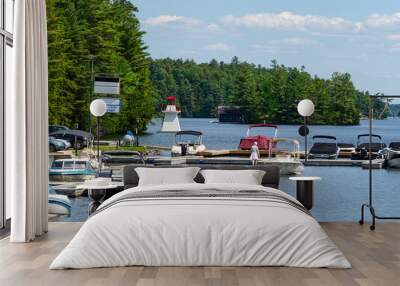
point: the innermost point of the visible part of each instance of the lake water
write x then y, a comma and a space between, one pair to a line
340, 193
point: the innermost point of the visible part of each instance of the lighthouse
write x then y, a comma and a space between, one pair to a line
171, 120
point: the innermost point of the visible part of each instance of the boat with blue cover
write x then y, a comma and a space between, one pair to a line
58, 204
71, 170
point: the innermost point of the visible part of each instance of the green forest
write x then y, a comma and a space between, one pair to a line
110, 33
269, 94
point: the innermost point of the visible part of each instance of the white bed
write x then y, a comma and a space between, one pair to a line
206, 230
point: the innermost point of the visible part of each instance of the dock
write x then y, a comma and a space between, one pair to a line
263, 153
376, 164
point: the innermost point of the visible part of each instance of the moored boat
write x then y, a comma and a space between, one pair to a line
324, 147
363, 147
122, 157
264, 142
188, 142
58, 204
71, 170
346, 149
392, 155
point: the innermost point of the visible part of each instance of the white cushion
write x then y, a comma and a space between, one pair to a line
166, 176
247, 177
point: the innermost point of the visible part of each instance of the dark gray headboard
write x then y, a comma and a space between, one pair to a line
270, 179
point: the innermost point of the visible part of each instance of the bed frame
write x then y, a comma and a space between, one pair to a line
270, 179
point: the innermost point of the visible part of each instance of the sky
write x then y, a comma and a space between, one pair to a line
361, 37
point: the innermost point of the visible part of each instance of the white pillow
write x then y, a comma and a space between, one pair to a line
247, 177
166, 176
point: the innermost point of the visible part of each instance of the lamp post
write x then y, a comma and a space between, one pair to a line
306, 109
91, 67
98, 108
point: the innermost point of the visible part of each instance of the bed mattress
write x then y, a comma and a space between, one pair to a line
201, 225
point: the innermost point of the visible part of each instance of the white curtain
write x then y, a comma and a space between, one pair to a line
26, 124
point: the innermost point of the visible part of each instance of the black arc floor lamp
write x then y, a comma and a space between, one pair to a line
369, 205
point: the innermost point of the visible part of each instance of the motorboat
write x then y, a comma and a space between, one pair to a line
188, 142
346, 149
263, 142
324, 147
363, 147
58, 204
71, 170
392, 155
286, 149
122, 157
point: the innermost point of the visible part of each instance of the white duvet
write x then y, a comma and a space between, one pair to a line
200, 231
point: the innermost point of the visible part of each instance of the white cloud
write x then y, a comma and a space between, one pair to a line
296, 41
171, 19
218, 47
214, 27
294, 22
286, 46
383, 20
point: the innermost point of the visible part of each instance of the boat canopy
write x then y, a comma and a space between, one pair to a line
324, 137
263, 125
367, 135
81, 133
189, 132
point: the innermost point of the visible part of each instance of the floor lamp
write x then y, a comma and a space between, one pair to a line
369, 205
306, 109
98, 108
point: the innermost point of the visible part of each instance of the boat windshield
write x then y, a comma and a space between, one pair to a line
80, 165
188, 139
262, 129
57, 165
68, 165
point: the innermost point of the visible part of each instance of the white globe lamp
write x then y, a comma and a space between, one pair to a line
98, 107
305, 108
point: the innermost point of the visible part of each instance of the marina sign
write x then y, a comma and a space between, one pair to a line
106, 85
113, 104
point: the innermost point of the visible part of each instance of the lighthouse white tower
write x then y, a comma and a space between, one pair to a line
171, 120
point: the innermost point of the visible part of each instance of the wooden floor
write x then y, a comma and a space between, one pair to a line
375, 257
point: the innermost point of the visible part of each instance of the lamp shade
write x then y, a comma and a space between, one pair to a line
305, 107
98, 107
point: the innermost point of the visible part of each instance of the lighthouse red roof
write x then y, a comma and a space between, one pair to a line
171, 98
